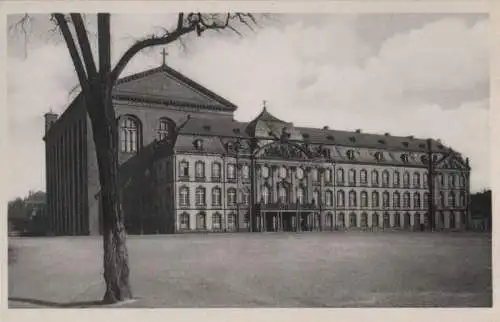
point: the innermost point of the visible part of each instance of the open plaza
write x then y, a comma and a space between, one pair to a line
329, 269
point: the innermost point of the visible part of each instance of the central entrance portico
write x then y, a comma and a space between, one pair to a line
281, 217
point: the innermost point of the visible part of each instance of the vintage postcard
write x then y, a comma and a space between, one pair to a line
248, 156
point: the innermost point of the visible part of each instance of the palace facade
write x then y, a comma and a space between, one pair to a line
187, 165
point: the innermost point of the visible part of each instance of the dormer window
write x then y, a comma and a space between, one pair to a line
421, 145
352, 139
198, 144
379, 156
350, 154
404, 158
405, 144
305, 136
424, 159
330, 137
236, 130
206, 127
381, 141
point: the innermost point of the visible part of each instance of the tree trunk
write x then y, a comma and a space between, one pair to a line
116, 269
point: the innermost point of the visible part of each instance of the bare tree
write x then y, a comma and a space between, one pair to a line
96, 84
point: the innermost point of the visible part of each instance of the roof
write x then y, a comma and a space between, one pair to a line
166, 85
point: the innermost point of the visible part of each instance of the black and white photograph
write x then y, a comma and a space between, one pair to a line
248, 159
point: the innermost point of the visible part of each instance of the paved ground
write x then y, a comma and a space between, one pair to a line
263, 270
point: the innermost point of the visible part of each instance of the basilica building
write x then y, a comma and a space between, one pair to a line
186, 165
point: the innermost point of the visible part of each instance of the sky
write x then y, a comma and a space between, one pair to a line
425, 75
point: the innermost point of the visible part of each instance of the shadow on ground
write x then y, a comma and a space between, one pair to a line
83, 304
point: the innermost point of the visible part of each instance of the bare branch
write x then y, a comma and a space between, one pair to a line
83, 40
75, 57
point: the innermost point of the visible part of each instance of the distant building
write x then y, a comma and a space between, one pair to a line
188, 165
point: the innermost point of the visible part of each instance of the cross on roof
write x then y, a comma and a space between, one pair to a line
164, 54
264, 103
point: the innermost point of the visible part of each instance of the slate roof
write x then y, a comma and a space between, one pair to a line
166, 85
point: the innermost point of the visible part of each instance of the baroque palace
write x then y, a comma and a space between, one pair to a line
187, 165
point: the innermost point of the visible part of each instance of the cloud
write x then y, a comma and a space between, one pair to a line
313, 73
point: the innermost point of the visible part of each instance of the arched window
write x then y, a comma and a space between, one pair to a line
316, 200
416, 200
216, 196
352, 198
163, 131
386, 199
329, 198
385, 178
417, 219
462, 199
397, 220
245, 171
184, 169
265, 172
426, 199
375, 220
406, 179
341, 220
363, 176
396, 199
364, 199
353, 220
266, 195
441, 199
283, 172
201, 222
453, 223
314, 174
216, 171
199, 170
340, 198
300, 195
375, 199
407, 218
364, 220
245, 197
231, 171
442, 179
200, 196
231, 197
340, 176
329, 220
416, 180
396, 179
328, 176
386, 223
184, 196
451, 180
216, 221
406, 200
184, 221
425, 179
374, 178
283, 194
461, 181
129, 134
231, 222
352, 177
451, 199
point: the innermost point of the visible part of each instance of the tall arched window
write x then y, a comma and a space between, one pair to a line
329, 198
340, 176
200, 196
184, 221
328, 176
396, 179
364, 220
352, 198
216, 196
461, 181
441, 199
386, 199
462, 199
184, 169
184, 196
245, 171
406, 179
453, 223
231, 222
231, 197
340, 198
199, 170
425, 179
300, 195
426, 199
283, 194
352, 177
375, 178
396, 199
163, 131
451, 180
375, 221
375, 199
416, 180
266, 194
201, 222
406, 200
397, 220
363, 177
353, 220
231, 171
216, 171
314, 174
451, 199
341, 220
385, 178
364, 199
216, 221
129, 134
316, 200
416, 200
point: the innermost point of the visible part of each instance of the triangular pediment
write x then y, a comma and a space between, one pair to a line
281, 151
166, 85
452, 161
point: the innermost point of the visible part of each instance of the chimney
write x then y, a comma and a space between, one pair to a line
326, 127
358, 131
50, 118
387, 134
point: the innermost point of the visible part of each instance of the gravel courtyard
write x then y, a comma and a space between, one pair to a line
354, 269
